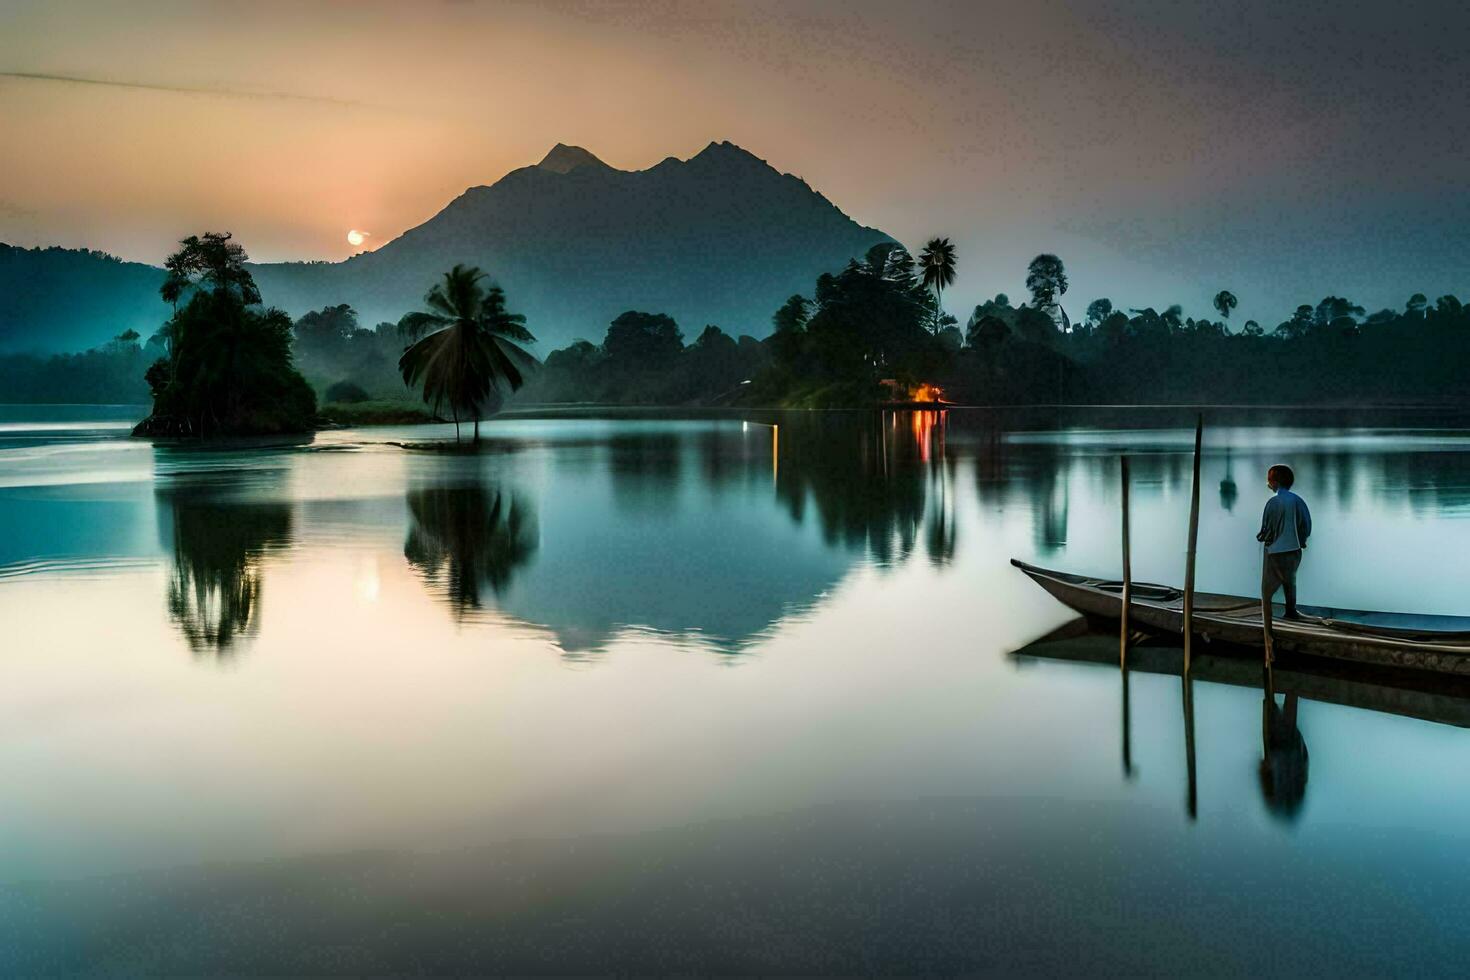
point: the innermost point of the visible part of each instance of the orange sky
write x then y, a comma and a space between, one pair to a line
1161, 156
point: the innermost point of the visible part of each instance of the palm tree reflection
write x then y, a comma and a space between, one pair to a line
215, 586
465, 539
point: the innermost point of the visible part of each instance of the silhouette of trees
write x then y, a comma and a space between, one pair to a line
1225, 301
227, 365
209, 261
466, 347
790, 323
1046, 279
114, 373
324, 334
643, 360
874, 320
651, 339
937, 271
332, 349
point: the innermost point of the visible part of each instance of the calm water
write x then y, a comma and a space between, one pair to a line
700, 694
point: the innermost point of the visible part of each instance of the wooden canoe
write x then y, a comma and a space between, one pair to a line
1436, 643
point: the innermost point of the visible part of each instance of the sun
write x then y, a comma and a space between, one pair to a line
355, 237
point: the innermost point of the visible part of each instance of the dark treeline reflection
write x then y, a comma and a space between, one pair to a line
217, 540
469, 538
875, 483
715, 530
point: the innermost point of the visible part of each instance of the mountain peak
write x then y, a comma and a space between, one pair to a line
725, 151
564, 159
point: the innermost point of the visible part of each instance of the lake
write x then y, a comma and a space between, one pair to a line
662, 692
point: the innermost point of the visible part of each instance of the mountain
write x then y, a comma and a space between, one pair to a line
62, 299
719, 238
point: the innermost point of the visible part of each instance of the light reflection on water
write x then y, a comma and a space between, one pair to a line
349, 661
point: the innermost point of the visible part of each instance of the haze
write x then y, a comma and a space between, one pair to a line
1164, 152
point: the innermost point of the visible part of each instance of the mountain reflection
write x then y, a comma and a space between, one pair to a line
217, 540
468, 539
711, 531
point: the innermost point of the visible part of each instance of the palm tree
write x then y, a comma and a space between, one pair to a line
466, 347
1225, 302
936, 265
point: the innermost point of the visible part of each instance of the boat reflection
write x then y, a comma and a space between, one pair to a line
1284, 763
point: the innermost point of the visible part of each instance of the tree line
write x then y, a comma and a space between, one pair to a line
876, 331
227, 363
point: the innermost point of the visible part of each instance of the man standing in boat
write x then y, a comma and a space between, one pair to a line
1285, 526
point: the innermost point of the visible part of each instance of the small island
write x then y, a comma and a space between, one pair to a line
226, 368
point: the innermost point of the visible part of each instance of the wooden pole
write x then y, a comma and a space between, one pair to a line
1193, 798
1127, 728
1127, 574
1188, 678
1266, 614
1199, 431
1123, 622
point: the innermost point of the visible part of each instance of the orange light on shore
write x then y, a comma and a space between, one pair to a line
927, 393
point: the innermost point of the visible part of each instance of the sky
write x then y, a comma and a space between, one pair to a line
1165, 150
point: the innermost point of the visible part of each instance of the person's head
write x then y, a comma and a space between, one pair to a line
1280, 476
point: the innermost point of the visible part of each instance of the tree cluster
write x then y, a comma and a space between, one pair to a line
1327, 352
110, 374
226, 367
347, 362
643, 360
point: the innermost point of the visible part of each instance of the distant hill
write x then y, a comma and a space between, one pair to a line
720, 238
61, 299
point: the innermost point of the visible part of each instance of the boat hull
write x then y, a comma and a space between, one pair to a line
1235, 621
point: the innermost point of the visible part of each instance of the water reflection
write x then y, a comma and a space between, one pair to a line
866, 680
217, 541
1283, 768
1284, 762
468, 539
868, 479
1228, 490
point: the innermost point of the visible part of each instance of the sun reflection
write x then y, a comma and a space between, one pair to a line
367, 583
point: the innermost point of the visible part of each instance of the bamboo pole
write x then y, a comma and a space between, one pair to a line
1193, 797
1199, 431
1123, 621
1127, 573
1127, 728
1266, 614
